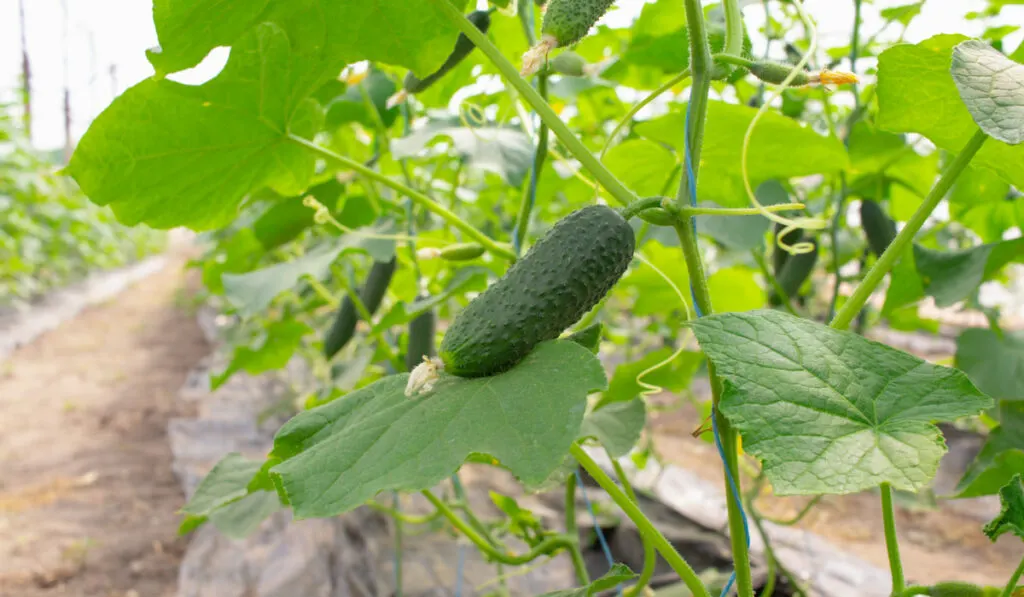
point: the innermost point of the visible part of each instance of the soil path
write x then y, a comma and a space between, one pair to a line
87, 496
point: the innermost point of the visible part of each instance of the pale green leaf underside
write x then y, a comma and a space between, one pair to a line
504, 151
994, 362
617, 426
225, 483
916, 94
828, 411
992, 87
341, 454
281, 340
1000, 458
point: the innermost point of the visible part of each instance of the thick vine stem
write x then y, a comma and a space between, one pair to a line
650, 553
874, 277
571, 530
676, 561
1011, 586
417, 197
530, 193
613, 185
892, 544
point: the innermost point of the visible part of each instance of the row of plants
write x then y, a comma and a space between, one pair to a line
378, 180
50, 234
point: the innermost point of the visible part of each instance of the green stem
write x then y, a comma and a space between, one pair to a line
733, 59
733, 27
417, 197
676, 561
885, 263
837, 220
788, 522
571, 530
576, 147
548, 546
1012, 585
525, 12
854, 50
634, 208
530, 193
406, 518
399, 532
701, 69
640, 105
650, 553
891, 542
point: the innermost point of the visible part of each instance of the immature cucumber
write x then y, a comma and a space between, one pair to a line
795, 272
463, 46
421, 339
960, 589
777, 72
569, 63
568, 21
558, 280
462, 252
780, 255
878, 227
371, 295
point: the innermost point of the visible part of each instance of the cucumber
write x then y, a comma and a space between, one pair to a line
779, 256
421, 338
462, 252
795, 272
558, 280
959, 589
776, 72
568, 21
569, 63
371, 295
878, 227
463, 46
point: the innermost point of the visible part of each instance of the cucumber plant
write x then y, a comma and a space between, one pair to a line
640, 235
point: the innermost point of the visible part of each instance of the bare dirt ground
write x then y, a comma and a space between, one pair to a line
935, 545
87, 496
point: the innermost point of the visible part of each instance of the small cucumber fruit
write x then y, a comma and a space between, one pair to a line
878, 227
558, 280
463, 46
959, 589
777, 72
462, 252
569, 63
371, 295
779, 255
421, 338
568, 21
795, 272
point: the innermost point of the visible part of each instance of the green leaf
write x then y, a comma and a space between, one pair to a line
994, 362
653, 294
618, 574
1011, 518
240, 519
1000, 458
917, 95
589, 337
743, 233
903, 13
617, 426
279, 343
829, 411
410, 33
735, 289
780, 148
226, 482
952, 276
339, 455
504, 151
992, 87
254, 291
983, 202
641, 165
674, 376
466, 278
168, 154
352, 105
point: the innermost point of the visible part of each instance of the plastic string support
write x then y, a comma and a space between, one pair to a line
691, 182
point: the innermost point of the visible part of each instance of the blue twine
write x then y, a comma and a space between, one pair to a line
597, 527
691, 181
458, 570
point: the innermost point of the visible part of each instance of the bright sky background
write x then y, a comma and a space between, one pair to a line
115, 33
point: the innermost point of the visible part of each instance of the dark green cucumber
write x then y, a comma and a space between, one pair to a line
568, 21
780, 256
878, 227
796, 270
371, 295
558, 280
463, 46
421, 338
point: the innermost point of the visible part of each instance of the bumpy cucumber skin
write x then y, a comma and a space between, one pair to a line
558, 280
779, 256
421, 339
568, 21
463, 46
371, 295
878, 227
795, 271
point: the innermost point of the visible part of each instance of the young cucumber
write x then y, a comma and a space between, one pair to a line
421, 339
558, 280
878, 227
795, 272
463, 46
371, 295
568, 21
